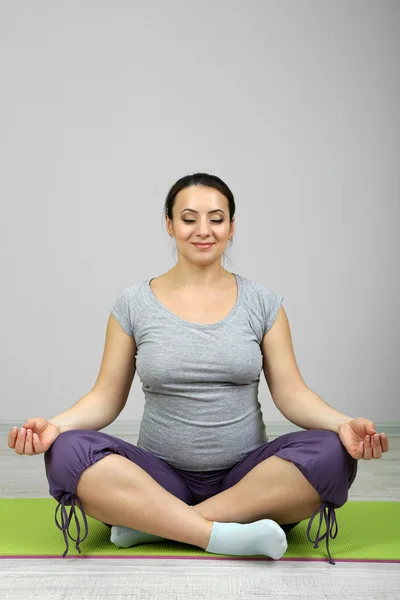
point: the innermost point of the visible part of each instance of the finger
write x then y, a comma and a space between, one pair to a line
360, 452
28, 442
12, 436
37, 444
376, 446
367, 448
20, 443
384, 442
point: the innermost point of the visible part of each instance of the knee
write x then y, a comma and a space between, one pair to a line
65, 458
63, 444
341, 449
339, 459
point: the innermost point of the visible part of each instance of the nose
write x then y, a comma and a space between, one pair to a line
204, 230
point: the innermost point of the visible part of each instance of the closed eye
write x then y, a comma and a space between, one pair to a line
192, 221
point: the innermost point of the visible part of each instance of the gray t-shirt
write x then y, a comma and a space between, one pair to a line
200, 382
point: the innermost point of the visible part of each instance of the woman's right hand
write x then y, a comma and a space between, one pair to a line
36, 436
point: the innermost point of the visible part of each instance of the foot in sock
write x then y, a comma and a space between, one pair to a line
261, 537
124, 537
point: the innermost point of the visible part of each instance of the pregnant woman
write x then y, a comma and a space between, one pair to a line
203, 471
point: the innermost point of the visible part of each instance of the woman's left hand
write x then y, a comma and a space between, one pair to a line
354, 437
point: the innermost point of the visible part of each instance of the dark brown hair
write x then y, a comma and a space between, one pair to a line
203, 179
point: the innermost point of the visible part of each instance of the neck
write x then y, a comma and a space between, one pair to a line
199, 280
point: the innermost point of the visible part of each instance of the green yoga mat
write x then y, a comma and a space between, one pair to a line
367, 532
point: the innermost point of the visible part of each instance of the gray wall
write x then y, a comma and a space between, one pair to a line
294, 104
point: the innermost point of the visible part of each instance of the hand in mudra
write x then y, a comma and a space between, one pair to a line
36, 436
360, 439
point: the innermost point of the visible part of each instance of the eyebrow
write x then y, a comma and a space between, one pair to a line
196, 211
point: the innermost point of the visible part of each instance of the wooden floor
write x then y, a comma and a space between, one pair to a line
23, 476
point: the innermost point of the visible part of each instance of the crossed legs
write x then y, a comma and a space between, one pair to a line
115, 490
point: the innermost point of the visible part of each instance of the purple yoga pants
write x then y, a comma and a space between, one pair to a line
318, 454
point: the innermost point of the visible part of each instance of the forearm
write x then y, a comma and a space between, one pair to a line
307, 410
93, 411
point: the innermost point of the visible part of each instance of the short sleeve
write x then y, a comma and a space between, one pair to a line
120, 309
271, 304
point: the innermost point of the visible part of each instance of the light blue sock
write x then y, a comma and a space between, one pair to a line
124, 537
261, 537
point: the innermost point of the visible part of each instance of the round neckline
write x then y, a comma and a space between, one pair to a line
155, 301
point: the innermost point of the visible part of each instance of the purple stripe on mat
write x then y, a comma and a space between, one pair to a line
80, 557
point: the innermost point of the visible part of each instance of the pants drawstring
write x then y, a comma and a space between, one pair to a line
65, 521
329, 526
